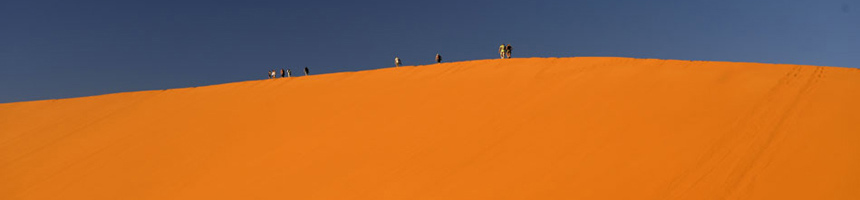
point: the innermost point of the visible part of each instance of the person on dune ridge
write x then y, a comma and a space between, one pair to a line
508, 49
502, 51
438, 58
397, 61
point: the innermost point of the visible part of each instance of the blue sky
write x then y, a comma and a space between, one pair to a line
58, 49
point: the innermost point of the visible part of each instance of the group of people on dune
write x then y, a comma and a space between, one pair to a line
397, 62
274, 74
504, 52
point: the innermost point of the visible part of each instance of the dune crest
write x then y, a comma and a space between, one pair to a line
523, 128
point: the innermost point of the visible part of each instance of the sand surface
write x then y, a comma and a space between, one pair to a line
536, 128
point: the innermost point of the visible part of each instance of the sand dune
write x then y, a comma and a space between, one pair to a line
536, 128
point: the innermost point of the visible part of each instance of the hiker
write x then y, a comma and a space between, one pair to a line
397, 62
508, 50
269, 73
282, 73
306, 71
289, 73
438, 58
272, 73
502, 51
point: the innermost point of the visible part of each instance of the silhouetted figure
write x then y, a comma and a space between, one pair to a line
289, 73
508, 50
502, 51
283, 73
306, 71
438, 58
269, 73
397, 62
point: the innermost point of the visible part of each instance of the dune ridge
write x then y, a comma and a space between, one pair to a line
523, 128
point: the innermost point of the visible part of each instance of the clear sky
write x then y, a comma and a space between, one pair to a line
58, 48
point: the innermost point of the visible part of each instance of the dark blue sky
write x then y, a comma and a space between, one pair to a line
59, 49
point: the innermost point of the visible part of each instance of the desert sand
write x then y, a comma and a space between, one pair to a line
527, 128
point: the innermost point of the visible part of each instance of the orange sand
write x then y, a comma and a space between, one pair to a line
536, 128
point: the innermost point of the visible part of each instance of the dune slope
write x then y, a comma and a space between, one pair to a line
536, 128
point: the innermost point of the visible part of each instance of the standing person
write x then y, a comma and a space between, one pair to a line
282, 73
306, 71
273, 74
269, 73
397, 62
289, 73
508, 50
438, 58
502, 51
